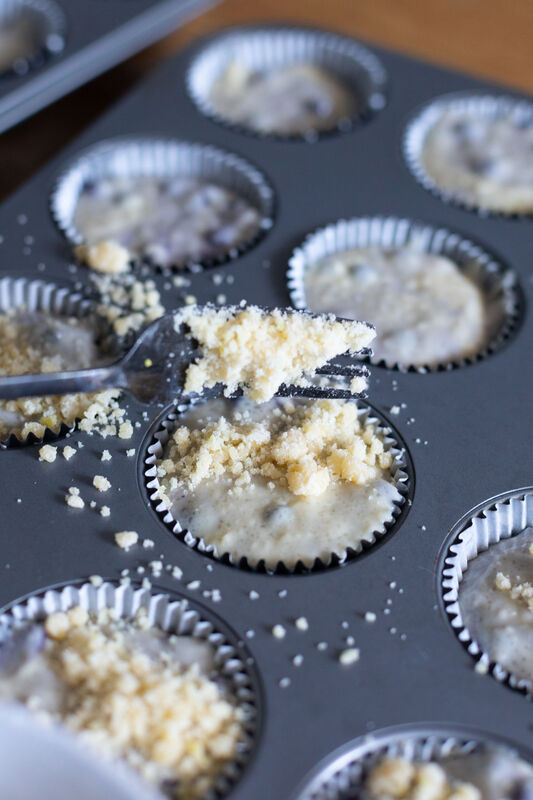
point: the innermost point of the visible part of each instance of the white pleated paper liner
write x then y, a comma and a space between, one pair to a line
267, 48
498, 284
477, 106
45, 25
155, 157
499, 519
401, 472
342, 775
62, 301
174, 615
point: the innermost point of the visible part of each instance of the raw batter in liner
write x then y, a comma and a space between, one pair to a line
483, 160
287, 100
425, 310
490, 773
130, 691
19, 41
35, 342
170, 222
288, 480
496, 602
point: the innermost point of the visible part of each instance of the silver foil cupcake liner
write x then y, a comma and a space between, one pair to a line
132, 157
264, 48
489, 106
38, 295
500, 518
173, 616
47, 27
341, 776
498, 283
401, 472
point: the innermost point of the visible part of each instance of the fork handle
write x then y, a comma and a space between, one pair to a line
53, 383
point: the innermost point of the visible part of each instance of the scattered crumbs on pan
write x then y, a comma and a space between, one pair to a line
394, 410
130, 452
105, 511
48, 453
284, 683
301, 623
278, 631
193, 585
253, 595
148, 543
126, 539
250, 633
68, 452
298, 660
73, 498
322, 646
349, 656
282, 593
370, 616
106, 455
101, 483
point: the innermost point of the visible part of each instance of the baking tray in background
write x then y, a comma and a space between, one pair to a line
98, 34
476, 422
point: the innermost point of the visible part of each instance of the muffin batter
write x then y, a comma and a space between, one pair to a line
489, 773
484, 160
496, 602
424, 309
35, 342
18, 41
288, 480
130, 691
290, 100
170, 222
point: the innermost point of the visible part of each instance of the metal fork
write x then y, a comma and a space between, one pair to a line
153, 371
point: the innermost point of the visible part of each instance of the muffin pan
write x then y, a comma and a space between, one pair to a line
77, 41
467, 432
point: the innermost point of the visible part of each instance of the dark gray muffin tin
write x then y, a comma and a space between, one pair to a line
468, 432
94, 36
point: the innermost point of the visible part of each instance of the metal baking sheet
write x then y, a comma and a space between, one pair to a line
98, 35
468, 432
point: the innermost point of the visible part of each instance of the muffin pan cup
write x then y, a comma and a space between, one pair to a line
80, 40
485, 106
467, 433
498, 520
498, 284
62, 301
342, 776
265, 48
48, 24
173, 615
401, 474
163, 158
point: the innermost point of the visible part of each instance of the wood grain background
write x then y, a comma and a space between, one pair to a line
488, 38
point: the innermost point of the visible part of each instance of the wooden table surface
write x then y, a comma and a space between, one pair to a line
488, 38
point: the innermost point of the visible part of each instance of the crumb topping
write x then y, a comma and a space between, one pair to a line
309, 447
107, 256
134, 693
517, 591
401, 778
258, 351
127, 302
